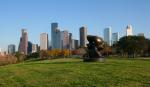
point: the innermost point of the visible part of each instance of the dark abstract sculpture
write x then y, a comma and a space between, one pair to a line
94, 47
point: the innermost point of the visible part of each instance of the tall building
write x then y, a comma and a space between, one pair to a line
70, 41
75, 44
64, 40
129, 31
55, 36
115, 38
23, 45
83, 36
43, 41
108, 36
11, 49
49, 45
38, 48
34, 48
29, 47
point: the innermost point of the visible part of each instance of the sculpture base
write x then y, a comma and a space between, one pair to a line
94, 59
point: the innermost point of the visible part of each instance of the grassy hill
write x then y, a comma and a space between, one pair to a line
75, 73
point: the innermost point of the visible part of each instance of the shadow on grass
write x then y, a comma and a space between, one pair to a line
51, 62
35, 59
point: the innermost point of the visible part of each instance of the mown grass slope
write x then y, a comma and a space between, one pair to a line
75, 73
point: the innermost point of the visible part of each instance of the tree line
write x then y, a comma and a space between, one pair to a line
132, 46
127, 46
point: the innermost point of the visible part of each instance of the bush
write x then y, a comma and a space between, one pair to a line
20, 57
9, 59
33, 55
43, 54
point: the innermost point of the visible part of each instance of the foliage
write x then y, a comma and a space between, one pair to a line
33, 55
66, 53
12, 59
9, 59
20, 57
43, 54
107, 50
54, 53
132, 45
146, 52
79, 51
75, 52
59, 53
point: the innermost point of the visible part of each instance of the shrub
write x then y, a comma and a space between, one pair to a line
9, 59
20, 57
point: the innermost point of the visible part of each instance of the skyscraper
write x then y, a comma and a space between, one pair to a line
129, 31
75, 44
70, 41
43, 41
64, 40
11, 49
29, 47
115, 37
83, 36
23, 46
108, 36
34, 48
55, 36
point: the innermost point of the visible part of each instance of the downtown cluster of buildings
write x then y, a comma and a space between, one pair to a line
112, 38
63, 40
25, 46
59, 40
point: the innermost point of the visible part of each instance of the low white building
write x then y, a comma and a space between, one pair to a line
2, 53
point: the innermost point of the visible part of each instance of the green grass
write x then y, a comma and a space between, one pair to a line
75, 73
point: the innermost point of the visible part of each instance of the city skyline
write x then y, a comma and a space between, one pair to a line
37, 16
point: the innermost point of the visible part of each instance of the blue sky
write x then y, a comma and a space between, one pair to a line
37, 15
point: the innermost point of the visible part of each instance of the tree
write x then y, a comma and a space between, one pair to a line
107, 50
43, 54
55, 53
66, 53
132, 45
20, 56
147, 51
33, 55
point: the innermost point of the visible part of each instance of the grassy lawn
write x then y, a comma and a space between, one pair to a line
75, 73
